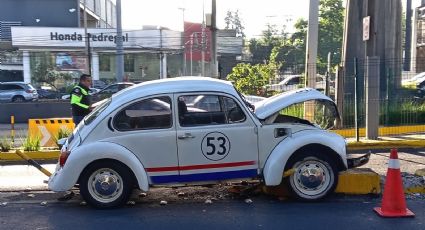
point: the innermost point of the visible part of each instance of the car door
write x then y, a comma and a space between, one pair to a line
146, 128
216, 138
11, 90
2, 92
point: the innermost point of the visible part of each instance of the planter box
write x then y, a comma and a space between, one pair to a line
35, 155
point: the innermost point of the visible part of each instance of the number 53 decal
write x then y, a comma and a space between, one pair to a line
215, 146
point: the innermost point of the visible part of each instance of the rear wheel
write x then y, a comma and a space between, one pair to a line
315, 175
18, 99
106, 184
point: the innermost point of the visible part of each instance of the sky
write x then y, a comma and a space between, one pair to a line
255, 15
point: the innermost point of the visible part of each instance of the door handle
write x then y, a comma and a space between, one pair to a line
186, 136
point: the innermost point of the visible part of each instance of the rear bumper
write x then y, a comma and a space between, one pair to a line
58, 181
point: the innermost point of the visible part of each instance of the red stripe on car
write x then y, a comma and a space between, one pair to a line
194, 167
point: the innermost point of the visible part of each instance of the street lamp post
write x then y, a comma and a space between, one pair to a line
87, 48
183, 42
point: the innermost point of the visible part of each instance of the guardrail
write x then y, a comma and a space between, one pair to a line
33, 110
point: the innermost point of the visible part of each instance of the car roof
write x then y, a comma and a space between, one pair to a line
15, 82
173, 85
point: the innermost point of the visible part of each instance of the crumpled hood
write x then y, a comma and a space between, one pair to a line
271, 105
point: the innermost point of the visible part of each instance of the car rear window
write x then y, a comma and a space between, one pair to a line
152, 113
12, 87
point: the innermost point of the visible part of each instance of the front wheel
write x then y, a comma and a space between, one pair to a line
315, 176
106, 184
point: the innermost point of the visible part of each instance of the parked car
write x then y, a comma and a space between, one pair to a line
109, 90
98, 84
253, 99
48, 94
288, 83
147, 135
414, 81
91, 92
297, 81
17, 92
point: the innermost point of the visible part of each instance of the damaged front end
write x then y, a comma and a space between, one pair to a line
354, 162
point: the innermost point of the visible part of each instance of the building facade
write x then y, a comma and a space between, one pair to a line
45, 13
50, 38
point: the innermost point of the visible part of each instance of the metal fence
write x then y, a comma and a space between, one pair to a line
401, 99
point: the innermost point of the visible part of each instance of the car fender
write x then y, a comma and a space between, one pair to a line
275, 164
65, 178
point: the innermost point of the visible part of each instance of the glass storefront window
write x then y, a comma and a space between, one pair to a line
104, 63
129, 63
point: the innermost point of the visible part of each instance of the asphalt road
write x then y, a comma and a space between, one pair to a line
23, 210
263, 213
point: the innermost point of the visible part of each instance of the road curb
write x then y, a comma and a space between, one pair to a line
353, 181
384, 144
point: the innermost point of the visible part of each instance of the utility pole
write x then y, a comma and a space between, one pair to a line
214, 70
203, 43
408, 37
311, 54
119, 52
328, 75
312, 38
86, 35
183, 43
191, 55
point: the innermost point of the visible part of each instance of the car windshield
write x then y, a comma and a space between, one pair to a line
246, 102
95, 113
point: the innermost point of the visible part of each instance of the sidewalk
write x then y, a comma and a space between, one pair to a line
415, 140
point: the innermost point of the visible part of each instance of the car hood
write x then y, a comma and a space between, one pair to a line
271, 105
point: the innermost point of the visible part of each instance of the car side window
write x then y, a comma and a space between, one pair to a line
152, 113
198, 110
12, 87
110, 90
234, 113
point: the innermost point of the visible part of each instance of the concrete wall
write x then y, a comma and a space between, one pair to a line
25, 111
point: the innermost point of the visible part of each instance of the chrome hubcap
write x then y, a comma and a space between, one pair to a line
311, 177
105, 185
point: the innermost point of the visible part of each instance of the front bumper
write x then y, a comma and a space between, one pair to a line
355, 162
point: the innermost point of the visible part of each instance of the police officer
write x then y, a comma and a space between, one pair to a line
80, 99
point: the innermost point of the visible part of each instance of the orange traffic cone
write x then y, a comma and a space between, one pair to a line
393, 200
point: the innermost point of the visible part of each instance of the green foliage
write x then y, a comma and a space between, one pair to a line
43, 70
251, 79
233, 21
62, 133
32, 143
290, 50
5, 144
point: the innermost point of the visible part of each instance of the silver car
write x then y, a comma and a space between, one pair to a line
17, 92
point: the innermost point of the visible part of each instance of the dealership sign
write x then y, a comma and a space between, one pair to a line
92, 37
32, 37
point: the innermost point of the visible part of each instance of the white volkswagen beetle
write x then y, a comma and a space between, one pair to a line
190, 130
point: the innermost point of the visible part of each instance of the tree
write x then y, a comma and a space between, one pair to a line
251, 79
331, 25
44, 70
228, 20
289, 51
233, 21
